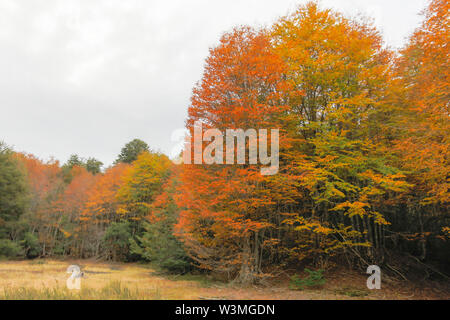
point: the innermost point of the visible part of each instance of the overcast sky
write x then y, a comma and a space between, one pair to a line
88, 76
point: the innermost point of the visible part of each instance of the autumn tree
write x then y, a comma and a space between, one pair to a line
424, 68
67, 210
340, 74
422, 127
101, 206
45, 183
142, 184
229, 215
102, 203
323, 79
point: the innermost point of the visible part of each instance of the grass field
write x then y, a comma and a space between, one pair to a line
46, 279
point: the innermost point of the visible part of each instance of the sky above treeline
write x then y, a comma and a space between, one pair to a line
87, 76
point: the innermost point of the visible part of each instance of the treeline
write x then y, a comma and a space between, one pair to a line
363, 175
75, 210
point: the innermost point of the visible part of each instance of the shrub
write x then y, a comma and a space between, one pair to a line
30, 245
10, 249
116, 241
314, 279
159, 246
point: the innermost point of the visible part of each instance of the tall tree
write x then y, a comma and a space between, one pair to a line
67, 213
229, 212
141, 184
424, 68
45, 183
158, 243
13, 189
423, 127
101, 206
340, 74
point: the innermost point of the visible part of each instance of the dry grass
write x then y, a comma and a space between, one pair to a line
46, 279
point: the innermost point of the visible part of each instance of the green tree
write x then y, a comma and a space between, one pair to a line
158, 243
93, 165
9, 249
74, 160
116, 241
132, 150
13, 191
13, 201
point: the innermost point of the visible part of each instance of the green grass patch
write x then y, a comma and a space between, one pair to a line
314, 279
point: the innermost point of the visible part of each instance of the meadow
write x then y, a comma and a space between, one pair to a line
46, 280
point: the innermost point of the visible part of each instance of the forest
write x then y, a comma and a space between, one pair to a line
363, 175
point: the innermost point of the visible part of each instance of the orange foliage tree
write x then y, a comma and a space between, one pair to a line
230, 214
66, 213
101, 207
45, 184
340, 76
322, 80
422, 124
424, 69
